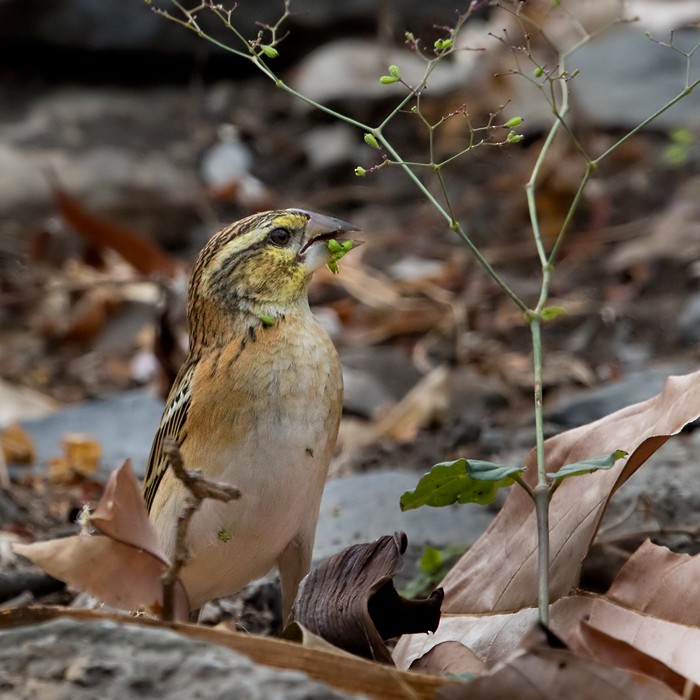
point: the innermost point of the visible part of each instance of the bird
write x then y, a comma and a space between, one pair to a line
256, 404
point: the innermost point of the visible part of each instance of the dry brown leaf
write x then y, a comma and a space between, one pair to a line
449, 657
553, 674
669, 588
369, 286
418, 316
142, 254
592, 642
84, 322
82, 453
499, 573
515, 369
296, 632
123, 569
121, 513
17, 446
485, 640
425, 404
674, 235
60, 471
675, 645
5, 482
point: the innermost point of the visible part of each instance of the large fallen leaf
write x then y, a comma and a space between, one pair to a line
350, 600
499, 573
144, 255
592, 642
472, 643
123, 566
659, 582
675, 645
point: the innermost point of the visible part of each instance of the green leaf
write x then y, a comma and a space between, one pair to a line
551, 312
431, 561
371, 140
588, 465
461, 481
432, 568
269, 51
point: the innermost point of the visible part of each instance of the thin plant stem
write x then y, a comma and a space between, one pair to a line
682, 94
541, 498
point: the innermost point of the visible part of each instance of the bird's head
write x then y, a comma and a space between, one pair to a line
261, 265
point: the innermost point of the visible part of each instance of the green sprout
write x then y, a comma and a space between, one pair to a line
337, 250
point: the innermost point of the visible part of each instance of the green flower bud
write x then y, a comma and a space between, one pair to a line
269, 51
514, 138
360, 172
388, 80
371, 140
515, 121
443, 44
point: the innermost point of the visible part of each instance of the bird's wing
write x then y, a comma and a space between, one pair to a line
172, 424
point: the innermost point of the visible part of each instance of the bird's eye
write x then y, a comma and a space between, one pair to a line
280, 237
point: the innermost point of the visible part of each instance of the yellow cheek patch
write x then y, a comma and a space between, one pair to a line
273, 276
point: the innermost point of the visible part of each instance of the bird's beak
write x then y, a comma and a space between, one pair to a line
320, 229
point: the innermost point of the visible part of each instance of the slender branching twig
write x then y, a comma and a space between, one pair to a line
199, 489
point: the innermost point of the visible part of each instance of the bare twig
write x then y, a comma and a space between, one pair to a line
199, 489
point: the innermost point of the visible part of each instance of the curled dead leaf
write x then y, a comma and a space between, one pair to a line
350, 600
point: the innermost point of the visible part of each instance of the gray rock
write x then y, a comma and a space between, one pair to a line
123, 424
689, 320
118, 151
363, 393
116, 25
81, 660
590, 404
363, 507
390, 367
625, 77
